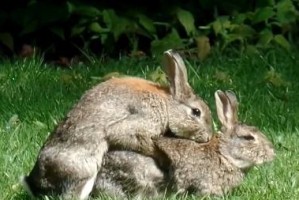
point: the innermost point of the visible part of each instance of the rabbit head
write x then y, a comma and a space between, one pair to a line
188, 115
242, 145
220, 164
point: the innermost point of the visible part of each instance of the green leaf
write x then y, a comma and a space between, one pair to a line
77, 30
109, 17
147, 23
221, 25
170, 41
217, 27
187, 20
117, 25
244, 31
7, 40
158, 76
251, 49
286, 12
263, 14
230, 38
265, 37
240, 18
96, 27
88, 11
70, 7
280, 39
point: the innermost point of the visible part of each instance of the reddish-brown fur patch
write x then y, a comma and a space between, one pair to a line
139, 84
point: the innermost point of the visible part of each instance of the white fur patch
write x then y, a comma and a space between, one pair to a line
87, 188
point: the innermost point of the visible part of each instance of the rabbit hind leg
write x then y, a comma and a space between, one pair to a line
81, 189
80, 182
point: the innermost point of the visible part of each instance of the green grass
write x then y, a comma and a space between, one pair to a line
34, 97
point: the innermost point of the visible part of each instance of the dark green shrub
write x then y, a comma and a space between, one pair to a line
112, 27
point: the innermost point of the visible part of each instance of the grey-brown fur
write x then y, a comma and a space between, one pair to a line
126, 173
212, 168
121, 113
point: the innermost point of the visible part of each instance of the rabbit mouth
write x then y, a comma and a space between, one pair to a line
170, 134
200, 139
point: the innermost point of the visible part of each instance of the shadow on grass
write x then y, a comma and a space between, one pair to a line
22, 196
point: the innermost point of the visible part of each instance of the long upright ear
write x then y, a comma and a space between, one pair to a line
177, 75
234, 103
225, 109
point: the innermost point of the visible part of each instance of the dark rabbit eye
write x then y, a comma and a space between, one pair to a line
247, 137
196, 112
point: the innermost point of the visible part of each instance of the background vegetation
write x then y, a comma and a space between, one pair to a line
66, 28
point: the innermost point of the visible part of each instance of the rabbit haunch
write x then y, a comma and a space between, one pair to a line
210, 168
121, 113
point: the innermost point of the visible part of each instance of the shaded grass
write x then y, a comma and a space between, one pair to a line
34, 97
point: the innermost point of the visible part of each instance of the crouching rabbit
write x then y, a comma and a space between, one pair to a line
211, 168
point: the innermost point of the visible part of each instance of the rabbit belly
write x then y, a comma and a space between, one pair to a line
126, 173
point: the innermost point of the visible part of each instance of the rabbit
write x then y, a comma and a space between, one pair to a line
211, 168
120, 113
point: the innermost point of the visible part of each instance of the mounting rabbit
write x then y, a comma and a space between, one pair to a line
121, 113
211, 168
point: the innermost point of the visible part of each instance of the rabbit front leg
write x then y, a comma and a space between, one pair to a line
135, 133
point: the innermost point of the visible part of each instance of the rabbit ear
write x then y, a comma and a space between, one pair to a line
234, 103
226, 104
177, 75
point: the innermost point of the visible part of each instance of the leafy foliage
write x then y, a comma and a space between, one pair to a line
130, 26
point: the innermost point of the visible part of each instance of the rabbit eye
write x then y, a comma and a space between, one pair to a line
247, 137
196, 112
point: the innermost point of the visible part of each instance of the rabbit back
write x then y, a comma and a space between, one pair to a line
97, 115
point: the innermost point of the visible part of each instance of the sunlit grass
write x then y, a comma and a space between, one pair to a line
34, 97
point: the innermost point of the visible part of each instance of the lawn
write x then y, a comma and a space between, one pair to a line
34, 97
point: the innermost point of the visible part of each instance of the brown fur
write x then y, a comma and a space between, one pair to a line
138, 84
